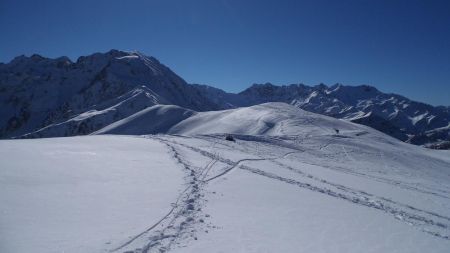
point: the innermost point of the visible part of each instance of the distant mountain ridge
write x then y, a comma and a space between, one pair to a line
44, 97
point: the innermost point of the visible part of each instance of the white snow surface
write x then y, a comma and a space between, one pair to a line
263, 119
151, 120
82, 194
288, 183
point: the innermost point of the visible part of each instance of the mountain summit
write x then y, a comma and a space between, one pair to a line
96, 90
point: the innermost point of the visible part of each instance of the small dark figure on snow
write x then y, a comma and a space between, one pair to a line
229, 137
337, 130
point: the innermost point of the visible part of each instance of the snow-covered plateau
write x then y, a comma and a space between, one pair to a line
265, 178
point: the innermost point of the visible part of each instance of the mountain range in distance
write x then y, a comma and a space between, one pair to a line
43, 97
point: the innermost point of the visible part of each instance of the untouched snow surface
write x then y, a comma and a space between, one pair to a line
288, 183
82, 194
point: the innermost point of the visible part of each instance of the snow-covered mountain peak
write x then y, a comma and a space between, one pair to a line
38, 92
134, 60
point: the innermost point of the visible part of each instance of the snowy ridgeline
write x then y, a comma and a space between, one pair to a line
44, 97
289, 182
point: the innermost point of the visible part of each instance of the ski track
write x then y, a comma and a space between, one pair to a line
354, 196
409, 218
355, 173
182, 214
341, 187
395, 183
178, 223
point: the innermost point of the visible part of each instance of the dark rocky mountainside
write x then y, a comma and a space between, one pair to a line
39, 94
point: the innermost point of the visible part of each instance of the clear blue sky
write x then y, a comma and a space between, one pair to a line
397, 46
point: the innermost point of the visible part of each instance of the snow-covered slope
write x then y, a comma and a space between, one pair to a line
311, 190
100, 115
263, 119
155, 119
